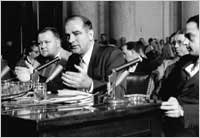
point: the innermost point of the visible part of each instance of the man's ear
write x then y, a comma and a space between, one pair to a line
58, 42
91, 34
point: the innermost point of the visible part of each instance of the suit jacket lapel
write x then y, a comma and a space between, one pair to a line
92, 59
190, 83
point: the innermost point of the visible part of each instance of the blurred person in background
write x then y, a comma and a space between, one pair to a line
141, 39
132, 50
31, 53
103, 39
149, 47
122, 41
161, 44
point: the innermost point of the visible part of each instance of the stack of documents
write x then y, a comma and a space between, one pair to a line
70, 97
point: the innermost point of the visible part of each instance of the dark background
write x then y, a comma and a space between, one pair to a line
19, 25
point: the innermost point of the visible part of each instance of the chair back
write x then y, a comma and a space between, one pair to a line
140, 83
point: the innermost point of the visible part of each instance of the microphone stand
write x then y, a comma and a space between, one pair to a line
47, 64
114, 80
35, 74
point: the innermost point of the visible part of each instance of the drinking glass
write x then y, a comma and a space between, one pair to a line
40, 91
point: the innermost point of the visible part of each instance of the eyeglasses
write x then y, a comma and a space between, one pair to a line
179, 42
36, 51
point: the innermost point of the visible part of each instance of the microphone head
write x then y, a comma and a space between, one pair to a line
129, 64
140, 58
58, 57
56, 72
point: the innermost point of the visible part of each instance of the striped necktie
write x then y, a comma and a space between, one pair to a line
83, 65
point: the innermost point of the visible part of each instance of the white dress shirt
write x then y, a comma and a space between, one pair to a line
85, 64
192, 69
86, 59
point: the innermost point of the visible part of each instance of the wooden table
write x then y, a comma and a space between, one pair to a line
100, 120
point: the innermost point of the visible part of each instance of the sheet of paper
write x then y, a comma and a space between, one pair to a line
67, 92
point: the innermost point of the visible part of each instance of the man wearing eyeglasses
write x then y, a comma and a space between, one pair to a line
180, 90
181, 44
30, 55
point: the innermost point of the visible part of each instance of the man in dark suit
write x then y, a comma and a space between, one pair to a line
181, 89
91, 72
50, 47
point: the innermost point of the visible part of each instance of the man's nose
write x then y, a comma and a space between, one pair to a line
71, 39
42, 45
176, 45
188, 45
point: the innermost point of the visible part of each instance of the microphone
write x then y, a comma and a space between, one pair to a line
125, 73
122, 77
47, 64
130, 63
57, 71
115, 80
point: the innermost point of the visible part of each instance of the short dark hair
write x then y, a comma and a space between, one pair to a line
86, 22
30, 46
140, 45
131, 45
194, 19
176, 33
180, 32
135, 45
150, 40
52, 29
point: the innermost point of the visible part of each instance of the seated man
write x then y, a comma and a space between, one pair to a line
30, 56
90, 65
50, 47
180, 90
180, 43
133, 50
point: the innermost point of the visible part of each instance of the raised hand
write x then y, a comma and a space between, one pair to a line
24, 73
77, 79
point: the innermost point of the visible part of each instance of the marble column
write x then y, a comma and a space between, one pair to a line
103, 17
166, 19
88, 9
64, 11
189, 8
174, 16
171, 17
122, 19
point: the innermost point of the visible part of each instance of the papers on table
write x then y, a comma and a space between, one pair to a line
70, 97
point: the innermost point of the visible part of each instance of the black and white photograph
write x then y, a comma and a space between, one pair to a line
100, 68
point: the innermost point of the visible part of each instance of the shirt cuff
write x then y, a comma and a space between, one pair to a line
91, 87
181, 111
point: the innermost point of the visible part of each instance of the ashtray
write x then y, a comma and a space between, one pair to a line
137, 98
